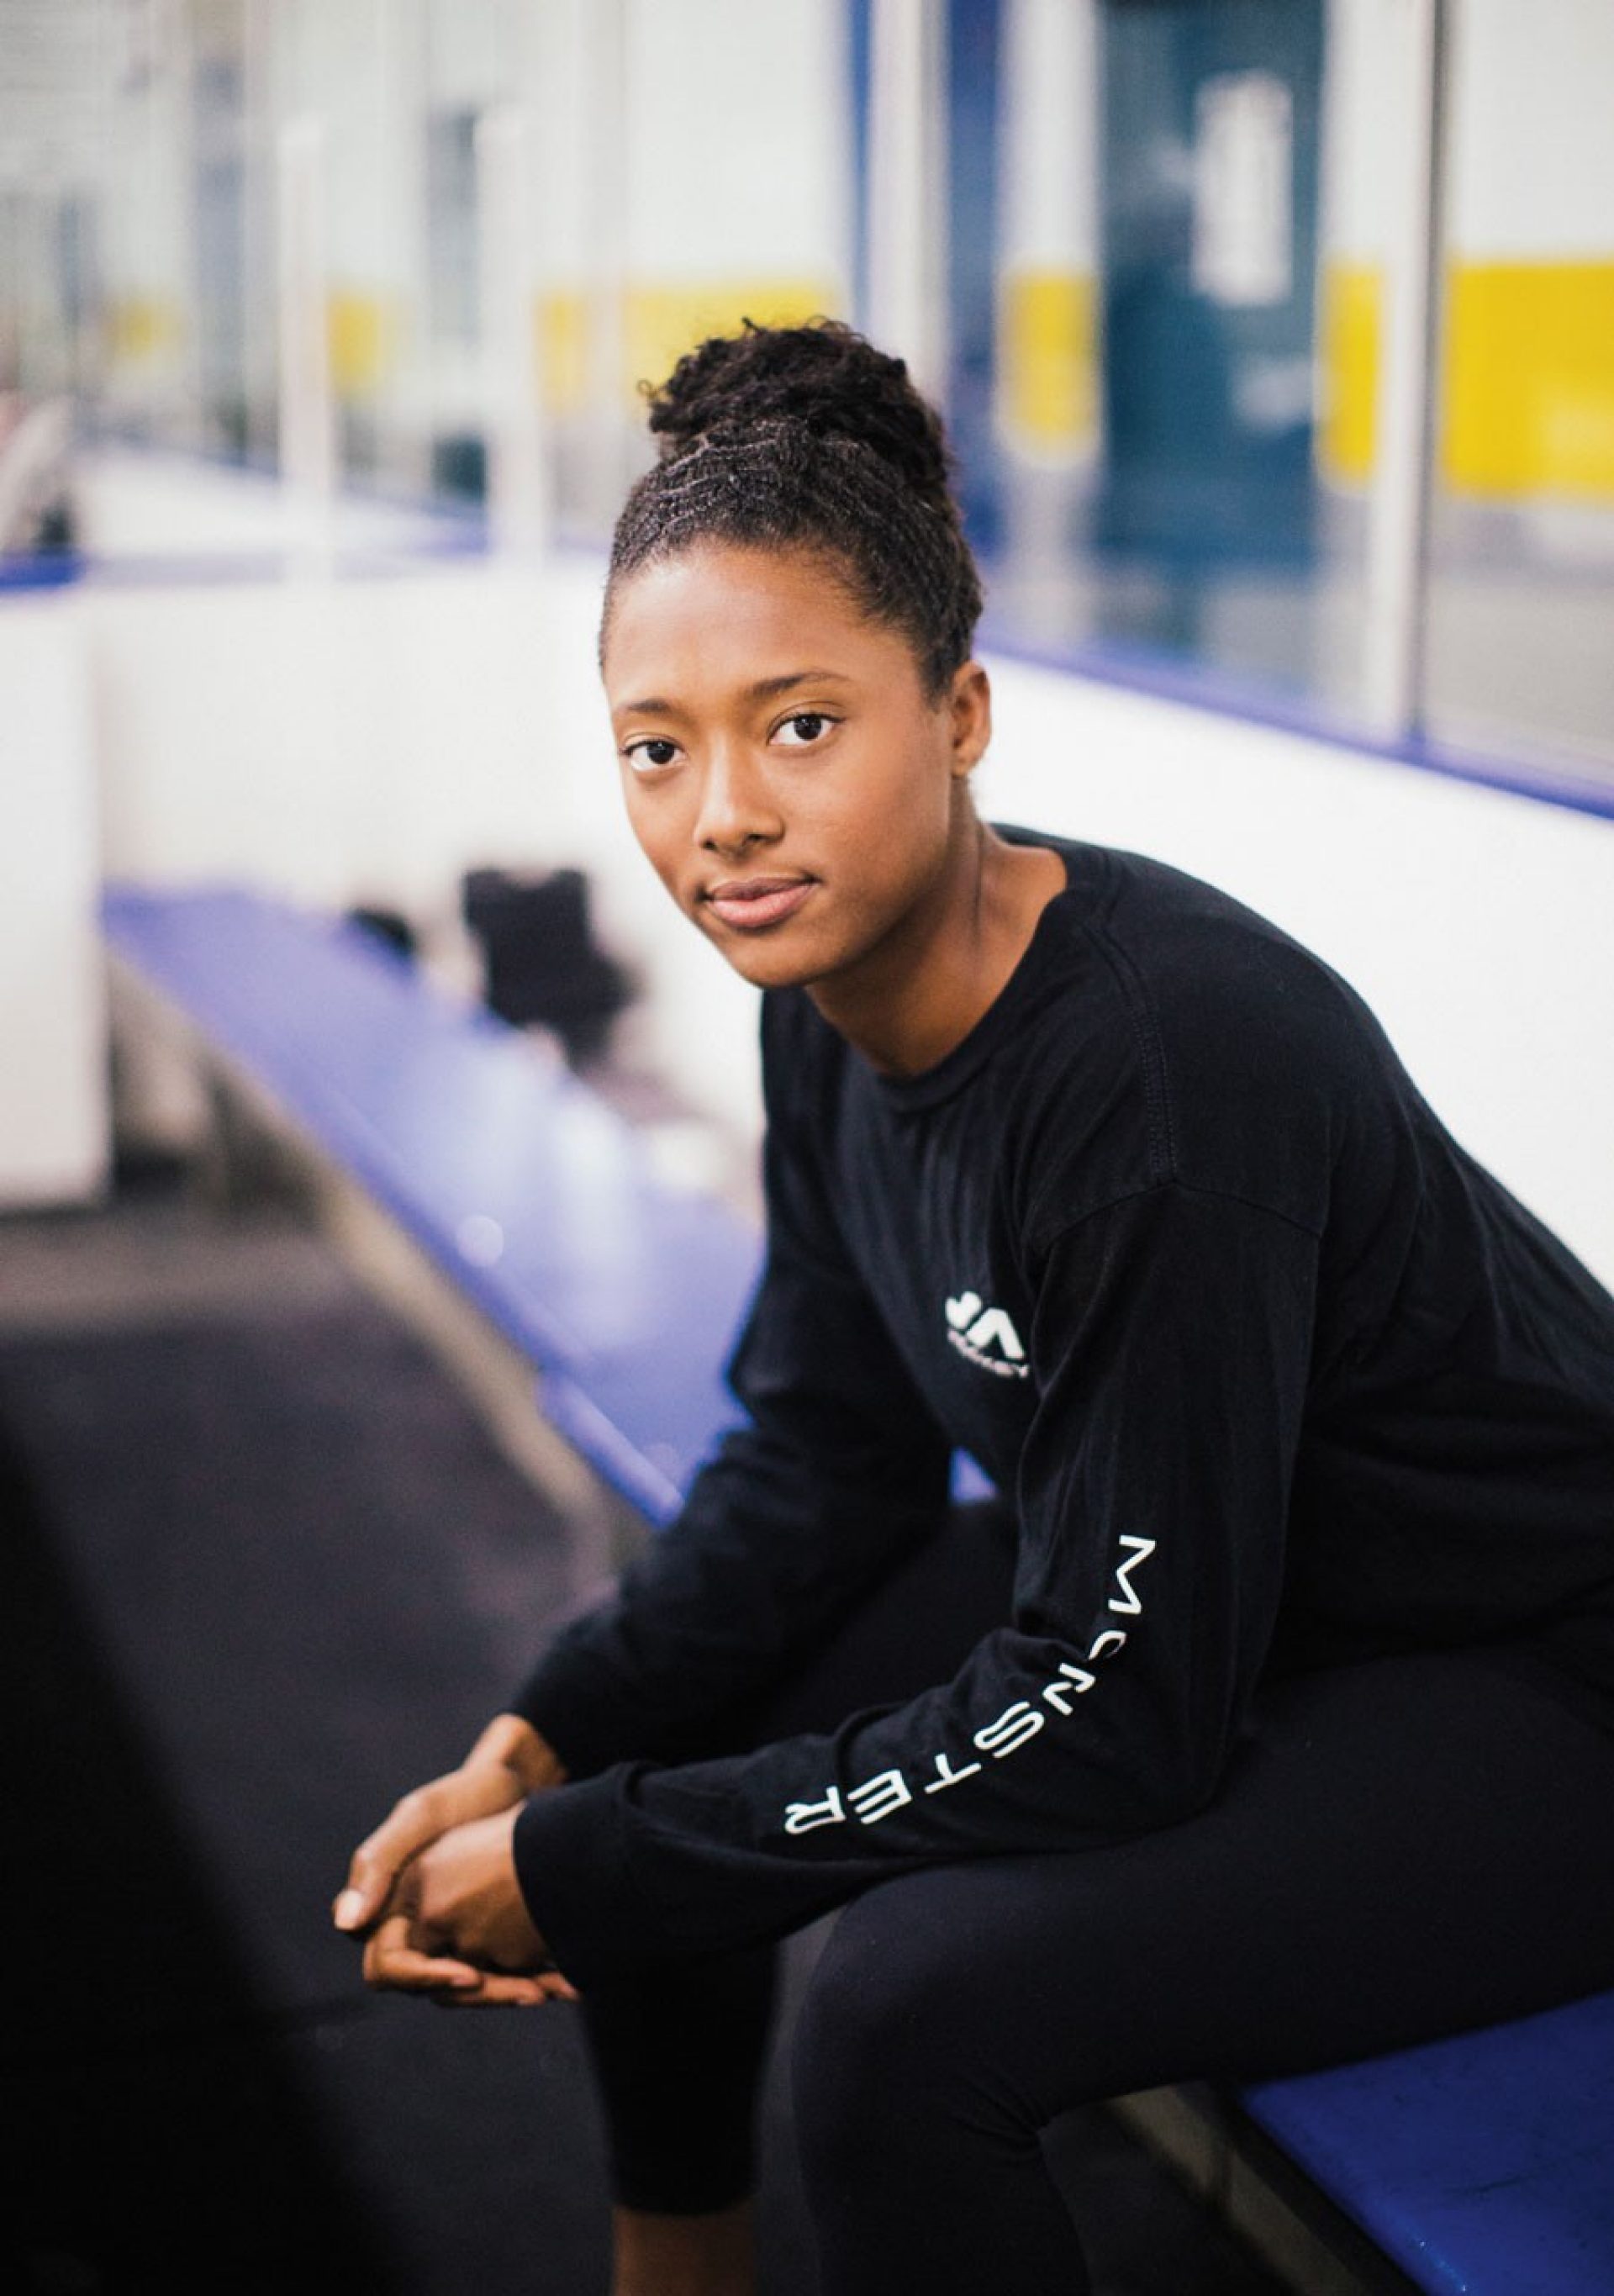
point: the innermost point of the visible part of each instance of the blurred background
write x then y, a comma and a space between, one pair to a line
1279, 354
1141, 252
1276, 339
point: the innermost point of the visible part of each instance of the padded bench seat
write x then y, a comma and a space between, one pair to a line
1483, 2165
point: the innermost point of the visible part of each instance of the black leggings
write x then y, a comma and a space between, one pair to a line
1403, 1849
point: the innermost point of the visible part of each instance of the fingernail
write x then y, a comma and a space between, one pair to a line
346, 1909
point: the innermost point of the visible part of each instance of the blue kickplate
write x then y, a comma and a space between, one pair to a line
1483, 2164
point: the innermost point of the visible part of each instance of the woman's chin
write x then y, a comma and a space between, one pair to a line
772, 968
774, 957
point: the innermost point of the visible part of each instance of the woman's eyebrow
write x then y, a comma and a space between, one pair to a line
652, 704
766, 688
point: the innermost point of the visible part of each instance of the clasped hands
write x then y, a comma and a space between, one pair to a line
433, 1891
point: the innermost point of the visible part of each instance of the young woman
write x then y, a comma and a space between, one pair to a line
1269, 1719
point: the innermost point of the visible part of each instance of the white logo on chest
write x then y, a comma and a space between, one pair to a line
986, 1336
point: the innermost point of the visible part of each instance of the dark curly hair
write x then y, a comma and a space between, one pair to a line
810, 438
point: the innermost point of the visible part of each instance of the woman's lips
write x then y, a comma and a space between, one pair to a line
759, 901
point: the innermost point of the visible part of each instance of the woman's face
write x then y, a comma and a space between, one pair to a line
796, 791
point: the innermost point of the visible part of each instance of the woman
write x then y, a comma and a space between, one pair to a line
1270, 1721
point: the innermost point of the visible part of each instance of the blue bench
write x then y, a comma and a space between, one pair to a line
1483, 2165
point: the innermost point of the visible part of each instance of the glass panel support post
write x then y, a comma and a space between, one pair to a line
1398, 503
907, 266
307, 405
613, 439
518, 491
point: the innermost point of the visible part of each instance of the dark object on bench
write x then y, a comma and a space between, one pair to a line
389, 925
543, 964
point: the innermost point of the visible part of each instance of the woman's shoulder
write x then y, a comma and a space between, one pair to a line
1199, 964
1164, 917
1246, 1062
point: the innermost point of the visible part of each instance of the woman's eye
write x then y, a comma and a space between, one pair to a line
641, 755
806, 726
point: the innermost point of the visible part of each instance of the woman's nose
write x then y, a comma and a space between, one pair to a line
737, 806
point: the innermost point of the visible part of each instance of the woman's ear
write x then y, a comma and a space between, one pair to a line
969, 703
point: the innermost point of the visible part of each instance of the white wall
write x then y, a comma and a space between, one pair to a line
53, 1084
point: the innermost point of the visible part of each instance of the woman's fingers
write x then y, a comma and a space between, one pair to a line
394, 1961
475, 1790
379, 1858
391, 1959
497, 1992
383, 1891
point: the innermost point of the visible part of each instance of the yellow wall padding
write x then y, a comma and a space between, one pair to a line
364, 333
661, 322
1348, 326
561, 324
1048, 359
142, 327
1527, 378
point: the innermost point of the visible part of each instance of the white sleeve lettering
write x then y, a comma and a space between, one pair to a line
802, 1816
1013, 1727
1060, 1694
1126, 1598
877, 1798
946, 1775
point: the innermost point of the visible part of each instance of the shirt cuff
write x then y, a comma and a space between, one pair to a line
571, 1864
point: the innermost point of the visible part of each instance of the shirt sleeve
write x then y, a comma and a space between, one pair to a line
1169, 1349
840, 1470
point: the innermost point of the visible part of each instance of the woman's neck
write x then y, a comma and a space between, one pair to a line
910, 1000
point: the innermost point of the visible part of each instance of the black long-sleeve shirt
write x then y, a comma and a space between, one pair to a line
1273, 1373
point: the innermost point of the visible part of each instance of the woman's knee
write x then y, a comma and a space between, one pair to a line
871, 2047
907, 2037
984, 1997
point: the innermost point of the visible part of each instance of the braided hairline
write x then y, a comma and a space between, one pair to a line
777, 482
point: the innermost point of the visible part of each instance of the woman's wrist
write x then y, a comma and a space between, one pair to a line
517, 1746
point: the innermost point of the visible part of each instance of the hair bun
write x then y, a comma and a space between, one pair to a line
823, 375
